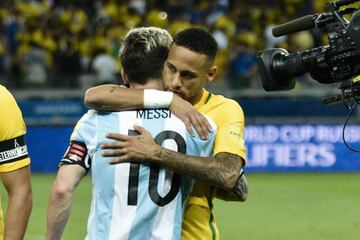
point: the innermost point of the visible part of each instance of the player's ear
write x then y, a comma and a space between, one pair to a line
211, 74
124, 77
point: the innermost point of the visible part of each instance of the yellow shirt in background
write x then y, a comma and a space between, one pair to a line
199, 222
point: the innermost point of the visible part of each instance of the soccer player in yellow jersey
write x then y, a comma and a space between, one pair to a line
14, 168
188, 67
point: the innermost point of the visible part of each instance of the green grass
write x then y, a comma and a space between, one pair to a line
294, 206
76, 226
280, 206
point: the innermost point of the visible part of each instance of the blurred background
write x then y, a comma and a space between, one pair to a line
72, 45
51, 51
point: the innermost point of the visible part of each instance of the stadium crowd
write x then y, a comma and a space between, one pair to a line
62, 44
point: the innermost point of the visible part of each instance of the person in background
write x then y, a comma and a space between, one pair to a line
104, 67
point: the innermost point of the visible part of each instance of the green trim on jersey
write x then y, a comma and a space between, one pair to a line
208, 98
211, 206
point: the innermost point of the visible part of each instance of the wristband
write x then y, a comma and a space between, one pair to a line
157, 99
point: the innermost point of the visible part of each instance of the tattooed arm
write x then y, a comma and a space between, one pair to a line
222, 171
238, 193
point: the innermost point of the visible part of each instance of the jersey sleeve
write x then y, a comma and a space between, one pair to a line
80, 150
200, 147
13, 149
230, 132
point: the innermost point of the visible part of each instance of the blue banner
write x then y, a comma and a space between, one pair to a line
300, 148
46, 146
69, 111
285, 107
271, 148
36, 112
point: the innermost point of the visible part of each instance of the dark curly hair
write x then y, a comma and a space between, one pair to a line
197, 40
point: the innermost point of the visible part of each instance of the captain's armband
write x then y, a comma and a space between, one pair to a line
77, 154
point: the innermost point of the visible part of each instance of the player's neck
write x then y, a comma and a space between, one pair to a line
196, 99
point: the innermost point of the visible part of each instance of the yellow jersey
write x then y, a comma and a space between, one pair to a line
13, 150
199, 221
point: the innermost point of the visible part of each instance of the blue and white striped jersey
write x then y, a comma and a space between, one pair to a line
131, 200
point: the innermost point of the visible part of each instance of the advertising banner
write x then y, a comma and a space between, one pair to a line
280, 148
270, 148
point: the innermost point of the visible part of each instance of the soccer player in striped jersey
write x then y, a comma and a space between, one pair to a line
188, 67
130, 200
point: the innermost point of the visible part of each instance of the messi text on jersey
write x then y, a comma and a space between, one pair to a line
153, 113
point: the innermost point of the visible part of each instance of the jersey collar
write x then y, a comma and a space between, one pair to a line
204, 98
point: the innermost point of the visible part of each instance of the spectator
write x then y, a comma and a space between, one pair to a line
243, 62
34, 64
68, 64
105, 68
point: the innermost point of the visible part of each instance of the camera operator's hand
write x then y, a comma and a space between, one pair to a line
190, 116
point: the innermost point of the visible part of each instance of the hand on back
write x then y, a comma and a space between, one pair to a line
190, 116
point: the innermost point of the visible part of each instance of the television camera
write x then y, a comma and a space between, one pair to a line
338, 62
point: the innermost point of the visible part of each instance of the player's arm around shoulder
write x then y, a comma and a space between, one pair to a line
113, 97
62, 192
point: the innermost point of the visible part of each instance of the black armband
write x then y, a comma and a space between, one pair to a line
13, 150
77, 154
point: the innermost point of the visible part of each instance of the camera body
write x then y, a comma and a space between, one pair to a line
338, 62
